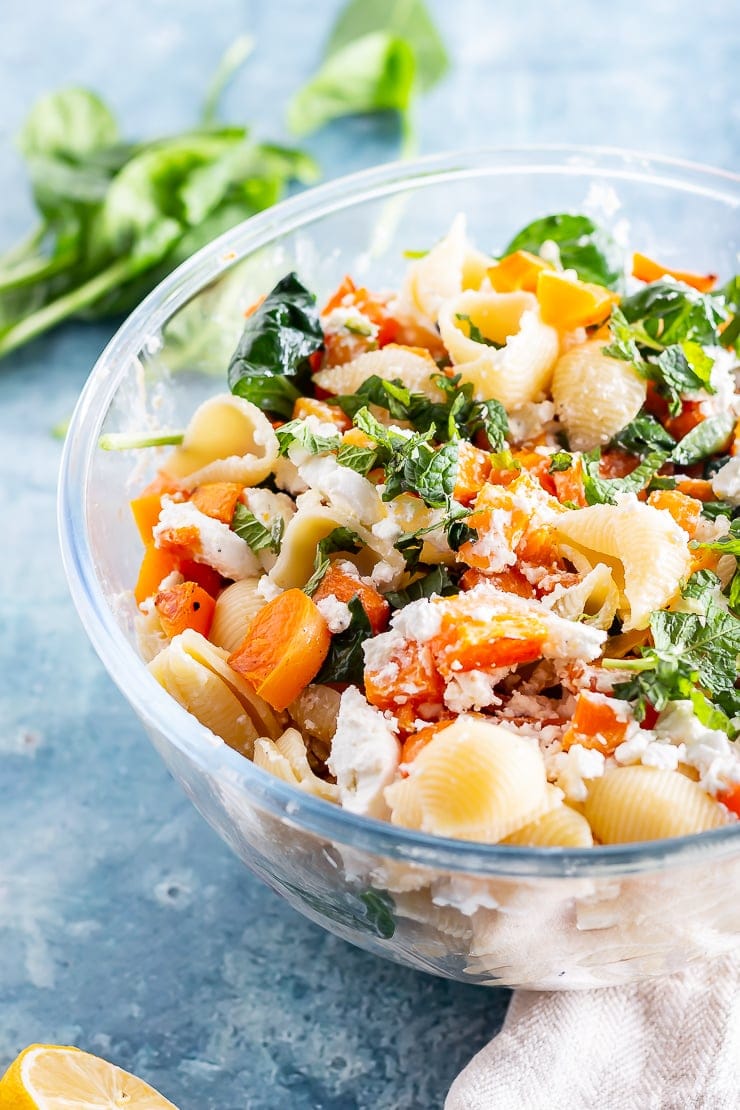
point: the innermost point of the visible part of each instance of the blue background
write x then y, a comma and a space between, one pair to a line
126, 926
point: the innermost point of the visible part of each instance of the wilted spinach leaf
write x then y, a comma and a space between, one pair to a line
435, 581
277, 340
345, 661
584, 247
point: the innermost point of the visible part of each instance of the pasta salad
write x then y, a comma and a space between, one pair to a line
464, 556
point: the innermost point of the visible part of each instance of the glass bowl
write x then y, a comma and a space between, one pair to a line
536, 918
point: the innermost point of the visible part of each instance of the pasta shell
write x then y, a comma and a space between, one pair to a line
449, 267
204, 694
642, 803
595, 395
196, 674
474, 780
228, 439
561, 827
236, 606
644, 548
286, 759
595, 597
311, 524
517, 372
315, 711
412, 366
264, 717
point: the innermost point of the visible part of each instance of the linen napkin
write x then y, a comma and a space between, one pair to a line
665, 1044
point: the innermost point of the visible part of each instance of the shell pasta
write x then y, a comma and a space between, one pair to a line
465, 556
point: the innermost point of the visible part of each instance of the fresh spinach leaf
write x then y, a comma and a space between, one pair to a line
408, 20
418, 467
232, 60
70, 122
458, 416
712, 509
373, 73
377, 57
379, 908
339, 539
117, 217
584, 247
346, 661
277, 340
360, 459
730, 336
728, 544
676, 369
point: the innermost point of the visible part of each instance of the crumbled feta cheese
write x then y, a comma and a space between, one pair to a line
387, 529
341, 487
174, 578
383, 575
349, 318
472, 690
533, 706
709, 751
267, 588
421, 620
364, 755
571, 639
550, 252
726, 482
494, 544
336, 613
574, 767
218, 546
725, 397
642, 746
266, 505
529, 420
287, 477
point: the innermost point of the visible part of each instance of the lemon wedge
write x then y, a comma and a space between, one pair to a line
57, 1077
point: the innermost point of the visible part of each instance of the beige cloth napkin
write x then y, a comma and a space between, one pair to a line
665, 1044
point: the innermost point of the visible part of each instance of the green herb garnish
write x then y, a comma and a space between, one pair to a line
257, 535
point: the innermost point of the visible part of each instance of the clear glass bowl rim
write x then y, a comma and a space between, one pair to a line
155, 707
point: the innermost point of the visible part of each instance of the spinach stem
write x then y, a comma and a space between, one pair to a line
69, 303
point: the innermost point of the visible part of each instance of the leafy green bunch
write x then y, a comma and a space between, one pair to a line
117, 216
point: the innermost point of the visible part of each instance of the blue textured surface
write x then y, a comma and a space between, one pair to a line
126, 926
